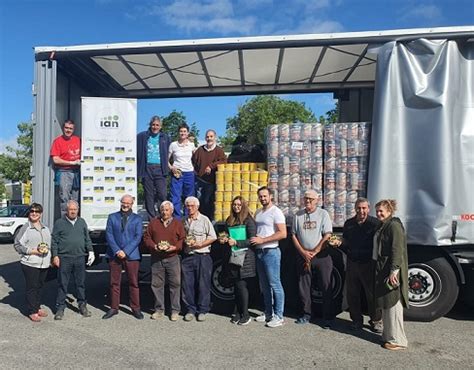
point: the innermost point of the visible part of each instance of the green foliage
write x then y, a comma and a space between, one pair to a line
259, 112
3, 189
15, 164
173, 120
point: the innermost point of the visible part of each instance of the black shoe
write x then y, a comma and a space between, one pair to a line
327, 324
84, 311
110, 313
59, 315
235, 319
138, 315
245, 320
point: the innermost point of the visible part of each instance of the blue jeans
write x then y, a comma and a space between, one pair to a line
181, 188
268, 268
154, 186
75, 266
206, 193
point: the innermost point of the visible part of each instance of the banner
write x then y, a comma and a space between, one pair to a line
109, 147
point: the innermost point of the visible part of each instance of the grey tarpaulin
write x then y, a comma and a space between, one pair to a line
422, 145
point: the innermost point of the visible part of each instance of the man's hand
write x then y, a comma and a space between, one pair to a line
56, 262
121, 254
207, 170
256, 240
90, 259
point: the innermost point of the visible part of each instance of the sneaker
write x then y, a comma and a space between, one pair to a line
244, 321
303, 319
376, 326
275, 322
393, 347
189, 317
235, 319
59, 315
157, 315
201, 317
84, 311
174, 316
356, 325
262, 318
42, 313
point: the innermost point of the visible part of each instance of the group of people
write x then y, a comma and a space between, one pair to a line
179, 244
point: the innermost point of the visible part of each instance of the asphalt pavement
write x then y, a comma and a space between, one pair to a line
125, 342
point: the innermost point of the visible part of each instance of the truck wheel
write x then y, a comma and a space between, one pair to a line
432, 289
222, 290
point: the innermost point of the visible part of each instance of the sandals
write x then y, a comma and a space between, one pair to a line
34, 317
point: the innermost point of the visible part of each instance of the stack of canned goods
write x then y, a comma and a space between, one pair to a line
346, 150
295, 163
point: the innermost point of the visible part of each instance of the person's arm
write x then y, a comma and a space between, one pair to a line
87, 238
61, 162
279, 234
220, 158
55, 240
396, 251
170, 157
210, 238
19, 243
109, 236
136, 234
150, 244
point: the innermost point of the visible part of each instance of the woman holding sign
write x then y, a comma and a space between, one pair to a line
240, 228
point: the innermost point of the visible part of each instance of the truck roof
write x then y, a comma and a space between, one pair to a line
233, 66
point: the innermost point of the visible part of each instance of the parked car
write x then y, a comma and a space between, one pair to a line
11, 219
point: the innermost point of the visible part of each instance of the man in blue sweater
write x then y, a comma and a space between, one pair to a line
124, 233
152, 164
70, 244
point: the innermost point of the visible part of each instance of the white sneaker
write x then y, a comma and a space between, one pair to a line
275, 322
262, 318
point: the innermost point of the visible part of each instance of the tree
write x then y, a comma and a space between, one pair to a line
3, 190
259, 112
171, 123
15, 164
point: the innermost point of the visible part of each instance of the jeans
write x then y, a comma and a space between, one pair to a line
34, 278
68, 266
154, 186
206, 194
131, 267
268, 268
181, 188
67, 189
196, 282
166, 270
322, 266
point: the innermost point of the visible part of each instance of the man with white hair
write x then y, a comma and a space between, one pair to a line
311, 228
124, 233
205, 160
196, 265
164, 239
70, 244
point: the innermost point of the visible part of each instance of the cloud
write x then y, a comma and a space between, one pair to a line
427, 12
314, 25
4, 142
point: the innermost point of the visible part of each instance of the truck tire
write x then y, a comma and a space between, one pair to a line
222, 290
432, 289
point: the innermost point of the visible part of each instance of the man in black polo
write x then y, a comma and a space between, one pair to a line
358, 236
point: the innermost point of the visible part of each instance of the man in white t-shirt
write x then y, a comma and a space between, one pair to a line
271, 228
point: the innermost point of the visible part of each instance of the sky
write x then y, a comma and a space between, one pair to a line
25, 24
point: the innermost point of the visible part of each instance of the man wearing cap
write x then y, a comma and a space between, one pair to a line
311, 229
205, 160
152, 164
357, 242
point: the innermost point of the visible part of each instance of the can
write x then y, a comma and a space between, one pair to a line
228, 186
351, 196
341, 196
352, 181
294, 164
283, 181
330, 210
317, 148
228, 176
339, 215
352, 165
272, 165
237, 186
330, 149
364, 131
227, 197
272, 132
283, 132
353, 131
254, 177
283, 147
329, 181
350, 211
295, 132
275, 196
330, 164
305, 180
306, 129
245, 186
342, 147
317, 165
341, 181
294, 195
329, 132
305, 163
283, 164
341, 131
306, 151
317, 181
262, 177
219, 177
352, 148
316, 131
294, 180
273, 181
341, 164
219, 196
283, 195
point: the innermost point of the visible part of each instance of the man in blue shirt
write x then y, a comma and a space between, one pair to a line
152, 164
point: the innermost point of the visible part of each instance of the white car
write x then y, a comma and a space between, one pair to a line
11, 219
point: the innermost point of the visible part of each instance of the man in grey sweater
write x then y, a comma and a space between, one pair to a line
70, 244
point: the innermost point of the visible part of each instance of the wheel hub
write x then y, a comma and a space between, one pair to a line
421, 286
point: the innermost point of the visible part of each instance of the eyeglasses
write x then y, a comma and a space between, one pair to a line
310, 199
126, 203
35, 211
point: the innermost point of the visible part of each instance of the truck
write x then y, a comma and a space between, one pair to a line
415, 86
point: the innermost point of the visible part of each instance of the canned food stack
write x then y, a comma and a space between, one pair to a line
234, 179
295, 163
346, 150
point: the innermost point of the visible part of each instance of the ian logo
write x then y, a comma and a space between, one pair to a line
109, 122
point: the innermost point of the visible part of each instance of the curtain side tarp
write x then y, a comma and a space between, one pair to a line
109, 148
422, 144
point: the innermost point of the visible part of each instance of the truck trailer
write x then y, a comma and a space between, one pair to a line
416, 86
